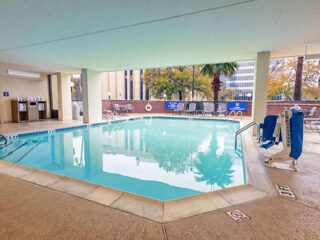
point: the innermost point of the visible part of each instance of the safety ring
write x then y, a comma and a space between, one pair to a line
148, 107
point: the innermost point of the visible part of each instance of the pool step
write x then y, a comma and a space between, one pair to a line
17, 150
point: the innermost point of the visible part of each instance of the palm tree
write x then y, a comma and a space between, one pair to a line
298, 80
214, 71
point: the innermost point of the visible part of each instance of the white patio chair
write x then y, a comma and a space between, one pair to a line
312, 112
222, 109
180, 108
130, 108
208, 108
191, 109
116, 108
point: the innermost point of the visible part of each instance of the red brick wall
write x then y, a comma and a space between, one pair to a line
157, 106
274, 107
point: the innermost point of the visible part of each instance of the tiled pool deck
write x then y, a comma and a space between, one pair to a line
258, 192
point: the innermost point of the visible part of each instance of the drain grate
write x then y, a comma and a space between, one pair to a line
285, 191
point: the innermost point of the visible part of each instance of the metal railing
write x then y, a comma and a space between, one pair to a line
236, 114
5, 139
242, 130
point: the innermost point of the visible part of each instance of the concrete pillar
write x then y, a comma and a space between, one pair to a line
104, 85
91, 90
64, 97
260, 92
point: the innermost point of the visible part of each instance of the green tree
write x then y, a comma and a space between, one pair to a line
202, 86
172, 81
182, 81
76, 90
214, 71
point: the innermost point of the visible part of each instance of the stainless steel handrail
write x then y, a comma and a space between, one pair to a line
241, 130
5, 139
231, 113
237, 115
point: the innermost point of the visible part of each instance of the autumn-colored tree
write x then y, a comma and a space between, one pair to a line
311, 93
279, 87
282, 79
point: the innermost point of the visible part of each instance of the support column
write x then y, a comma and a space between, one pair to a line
260, 93
91, 91
64, 97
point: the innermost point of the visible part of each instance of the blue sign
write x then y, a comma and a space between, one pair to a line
6, 94
237, 106
171, 105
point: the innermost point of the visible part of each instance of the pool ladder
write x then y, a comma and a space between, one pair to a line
242, 130
236, 114
5, 139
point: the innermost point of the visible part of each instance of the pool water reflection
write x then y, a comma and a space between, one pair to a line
161, 158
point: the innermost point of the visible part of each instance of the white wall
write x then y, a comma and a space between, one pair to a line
19, 86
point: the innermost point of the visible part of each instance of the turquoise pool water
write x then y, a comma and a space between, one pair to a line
161, 158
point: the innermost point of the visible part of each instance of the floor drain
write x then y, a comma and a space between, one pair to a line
285, 191
237, 215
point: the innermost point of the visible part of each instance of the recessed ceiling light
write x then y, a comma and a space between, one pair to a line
24, 74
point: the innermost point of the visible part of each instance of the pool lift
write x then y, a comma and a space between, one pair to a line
287, 128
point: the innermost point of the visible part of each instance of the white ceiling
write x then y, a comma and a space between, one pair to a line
106, 35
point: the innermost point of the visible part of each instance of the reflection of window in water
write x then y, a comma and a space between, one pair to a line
78, 152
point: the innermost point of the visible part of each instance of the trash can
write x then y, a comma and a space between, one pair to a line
75, 111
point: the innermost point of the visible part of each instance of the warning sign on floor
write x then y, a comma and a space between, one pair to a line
285, 191
237, 215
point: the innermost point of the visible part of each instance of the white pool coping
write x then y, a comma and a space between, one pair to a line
257, 186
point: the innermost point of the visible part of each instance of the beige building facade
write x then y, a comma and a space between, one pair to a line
128, 85
124, 85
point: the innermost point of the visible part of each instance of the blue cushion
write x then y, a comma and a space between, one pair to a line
268, 127
296, 131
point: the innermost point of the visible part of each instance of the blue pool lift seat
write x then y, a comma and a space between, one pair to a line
266, 137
